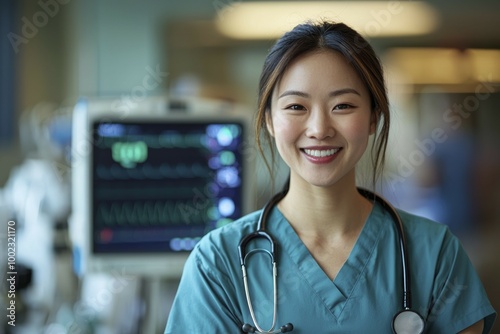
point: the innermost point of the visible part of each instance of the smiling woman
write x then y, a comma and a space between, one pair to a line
320, 109
346, 259
365, 65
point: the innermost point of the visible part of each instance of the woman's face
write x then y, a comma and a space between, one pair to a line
320, 118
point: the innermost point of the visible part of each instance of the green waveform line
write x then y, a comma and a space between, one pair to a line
193, 212
147, 172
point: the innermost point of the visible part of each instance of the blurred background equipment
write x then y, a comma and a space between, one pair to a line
148, 183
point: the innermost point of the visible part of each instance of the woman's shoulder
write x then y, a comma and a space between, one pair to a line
440, 264
416, 224
238, 228
225, 239
427, 235
217, 251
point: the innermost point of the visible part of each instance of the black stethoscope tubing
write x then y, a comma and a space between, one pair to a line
402, 244
261, 233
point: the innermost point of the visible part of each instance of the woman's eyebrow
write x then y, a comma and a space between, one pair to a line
293, 92
344, 91
335, 93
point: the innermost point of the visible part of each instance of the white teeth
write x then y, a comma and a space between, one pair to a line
321, 153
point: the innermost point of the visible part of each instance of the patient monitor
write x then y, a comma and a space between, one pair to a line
150, 180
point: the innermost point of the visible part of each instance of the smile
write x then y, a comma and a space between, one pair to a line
321, 153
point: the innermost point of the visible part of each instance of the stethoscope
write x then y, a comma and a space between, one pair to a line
406, 321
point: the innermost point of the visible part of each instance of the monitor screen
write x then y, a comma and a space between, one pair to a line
158, 186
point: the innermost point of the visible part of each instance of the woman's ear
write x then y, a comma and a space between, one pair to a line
269, 123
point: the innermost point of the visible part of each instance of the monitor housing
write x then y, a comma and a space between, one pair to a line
149, 181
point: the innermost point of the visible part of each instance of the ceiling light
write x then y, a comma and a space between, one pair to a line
428, 65
270, 19
444, 65
485, 64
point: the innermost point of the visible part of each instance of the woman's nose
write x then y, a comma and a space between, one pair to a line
319, 125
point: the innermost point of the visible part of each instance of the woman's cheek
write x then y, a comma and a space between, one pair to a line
358, 131
284, 129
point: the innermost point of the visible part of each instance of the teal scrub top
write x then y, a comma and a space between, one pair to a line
363, 298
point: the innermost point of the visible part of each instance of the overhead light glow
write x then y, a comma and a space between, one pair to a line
485, 64
270, 19
444, 65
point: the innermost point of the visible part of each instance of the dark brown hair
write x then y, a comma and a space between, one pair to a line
338, 37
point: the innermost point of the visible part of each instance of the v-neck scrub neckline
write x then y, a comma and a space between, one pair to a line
333, 293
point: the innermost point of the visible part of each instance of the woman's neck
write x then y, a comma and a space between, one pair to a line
336, 211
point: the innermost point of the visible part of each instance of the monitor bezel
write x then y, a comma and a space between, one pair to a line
156, 109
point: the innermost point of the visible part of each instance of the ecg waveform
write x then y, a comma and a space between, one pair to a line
150, 172
153, 213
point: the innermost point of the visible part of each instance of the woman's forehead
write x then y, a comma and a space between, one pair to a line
314, 70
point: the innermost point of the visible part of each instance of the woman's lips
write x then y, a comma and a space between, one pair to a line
321, 155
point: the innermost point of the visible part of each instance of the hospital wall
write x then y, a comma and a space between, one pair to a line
106, 48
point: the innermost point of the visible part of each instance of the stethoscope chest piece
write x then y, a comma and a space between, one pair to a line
408, 322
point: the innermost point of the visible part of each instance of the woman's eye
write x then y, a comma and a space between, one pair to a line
342, 106
295, 107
